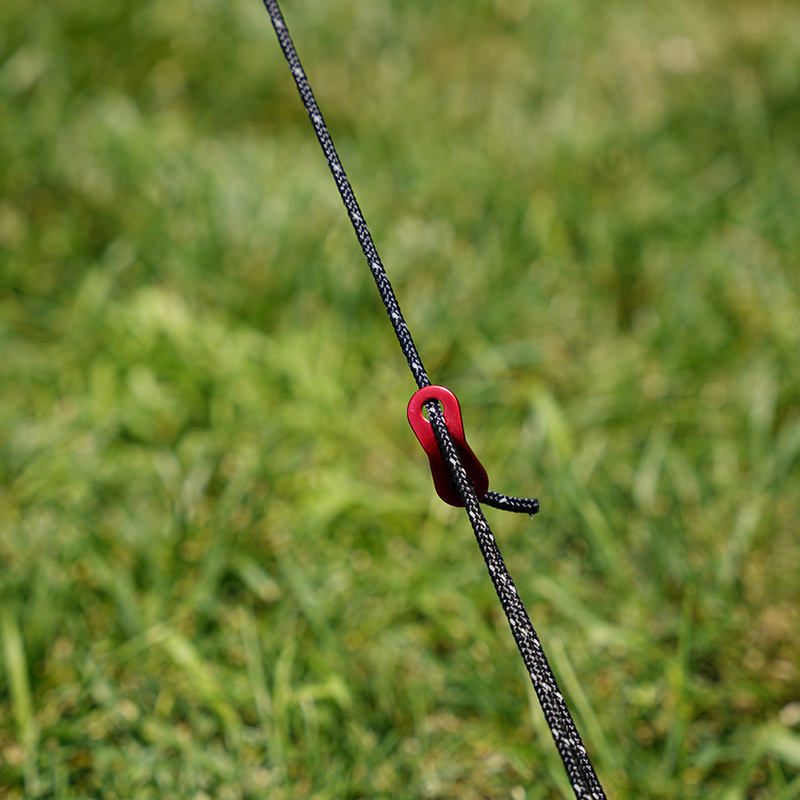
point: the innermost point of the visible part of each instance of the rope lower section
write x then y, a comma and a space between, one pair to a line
568, 741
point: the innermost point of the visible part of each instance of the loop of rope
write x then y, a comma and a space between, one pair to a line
567, 739
521, 505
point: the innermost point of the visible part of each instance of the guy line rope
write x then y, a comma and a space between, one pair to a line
458, 475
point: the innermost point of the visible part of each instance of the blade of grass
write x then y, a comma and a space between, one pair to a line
16, 664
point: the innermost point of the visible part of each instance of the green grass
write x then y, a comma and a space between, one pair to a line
223, 569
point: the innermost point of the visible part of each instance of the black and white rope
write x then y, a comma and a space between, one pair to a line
568, 741
349, 199
521, 505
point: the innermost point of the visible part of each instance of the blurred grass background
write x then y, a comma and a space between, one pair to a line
223, 569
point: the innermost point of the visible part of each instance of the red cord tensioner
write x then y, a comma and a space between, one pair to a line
442, 479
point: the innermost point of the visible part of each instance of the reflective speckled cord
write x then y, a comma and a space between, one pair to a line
568, 741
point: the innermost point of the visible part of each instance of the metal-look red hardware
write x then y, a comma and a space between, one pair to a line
442, 477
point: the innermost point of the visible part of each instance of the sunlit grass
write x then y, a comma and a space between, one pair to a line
223, 568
